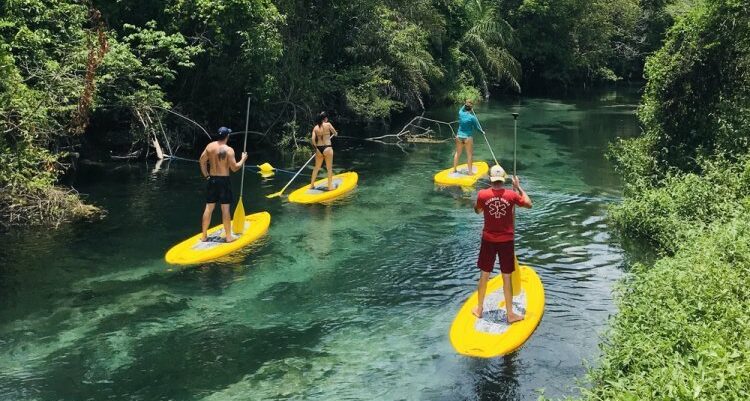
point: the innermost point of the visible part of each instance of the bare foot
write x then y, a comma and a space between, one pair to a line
477, 311
204, 239
230, 238
512, 318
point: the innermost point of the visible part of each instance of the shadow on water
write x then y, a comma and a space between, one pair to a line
351, 300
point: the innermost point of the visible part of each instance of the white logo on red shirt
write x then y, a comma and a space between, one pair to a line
498, 207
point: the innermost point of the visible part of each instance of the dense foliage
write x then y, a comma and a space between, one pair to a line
697, 100
90, 77
573, 43
683, 327
58, 66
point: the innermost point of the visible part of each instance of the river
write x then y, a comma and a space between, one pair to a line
351, 301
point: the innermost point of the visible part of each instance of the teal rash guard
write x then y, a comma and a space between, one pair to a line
467, 123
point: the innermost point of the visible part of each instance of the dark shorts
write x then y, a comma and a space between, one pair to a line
219, 189
488, 252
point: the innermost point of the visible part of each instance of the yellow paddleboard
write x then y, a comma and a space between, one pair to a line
491, 336
342, 183
193, 250
462, 176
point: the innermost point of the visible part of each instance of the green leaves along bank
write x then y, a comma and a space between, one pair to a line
88, 78
684, 323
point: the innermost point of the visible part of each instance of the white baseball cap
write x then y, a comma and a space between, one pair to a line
497, 173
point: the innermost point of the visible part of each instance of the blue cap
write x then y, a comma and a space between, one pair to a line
224, 132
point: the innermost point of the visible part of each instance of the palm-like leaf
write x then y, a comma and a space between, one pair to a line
486, 46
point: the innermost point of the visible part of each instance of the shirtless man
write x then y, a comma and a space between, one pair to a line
218, 158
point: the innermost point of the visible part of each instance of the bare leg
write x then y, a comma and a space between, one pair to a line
227, 219
508, 292
329, 166
318, 163
206, 220
481, 290
457, 155
470, 154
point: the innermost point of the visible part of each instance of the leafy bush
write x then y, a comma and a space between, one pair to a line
682, 206
683, 327
683, 330
697, 100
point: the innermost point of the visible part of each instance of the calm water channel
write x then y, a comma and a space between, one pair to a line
345, 302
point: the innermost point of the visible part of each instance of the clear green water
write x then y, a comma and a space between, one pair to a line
346, 302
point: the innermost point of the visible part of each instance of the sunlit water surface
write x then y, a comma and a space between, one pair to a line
351, 301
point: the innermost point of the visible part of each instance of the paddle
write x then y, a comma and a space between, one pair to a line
238, 220
516, 276
485, 139
515, 139
277, 194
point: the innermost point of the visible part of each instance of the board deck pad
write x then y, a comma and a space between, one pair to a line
323, 189
463, 172
495, 319
343, 183
193, 251
216, 239
491, 335
462, 176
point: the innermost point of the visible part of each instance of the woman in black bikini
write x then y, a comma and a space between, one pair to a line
321, 139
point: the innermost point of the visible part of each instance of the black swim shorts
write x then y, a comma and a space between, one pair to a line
219, 189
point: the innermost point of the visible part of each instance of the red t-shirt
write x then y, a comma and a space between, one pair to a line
497, 205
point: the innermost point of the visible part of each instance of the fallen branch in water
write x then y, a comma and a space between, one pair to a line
44, 207
421, 134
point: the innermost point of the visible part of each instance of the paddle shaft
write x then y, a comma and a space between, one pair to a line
515, 140
244, 145
486, 140
295, 176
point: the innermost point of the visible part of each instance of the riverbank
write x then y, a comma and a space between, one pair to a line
684, 321
683, 324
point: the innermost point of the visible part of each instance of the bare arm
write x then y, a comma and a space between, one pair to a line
314, 137
203, 161
525, 200
332, 130
233, 164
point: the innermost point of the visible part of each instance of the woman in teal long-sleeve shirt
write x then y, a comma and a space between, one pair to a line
467, 123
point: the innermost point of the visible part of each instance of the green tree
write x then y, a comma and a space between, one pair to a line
697, 101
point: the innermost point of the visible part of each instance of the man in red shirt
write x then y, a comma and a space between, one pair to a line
497, 236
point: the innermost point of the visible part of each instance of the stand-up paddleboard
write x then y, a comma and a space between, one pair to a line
342, 184
462, 177
193, 250
491, 335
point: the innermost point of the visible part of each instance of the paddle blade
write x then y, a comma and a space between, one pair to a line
515, 279
274, 195
238, 220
